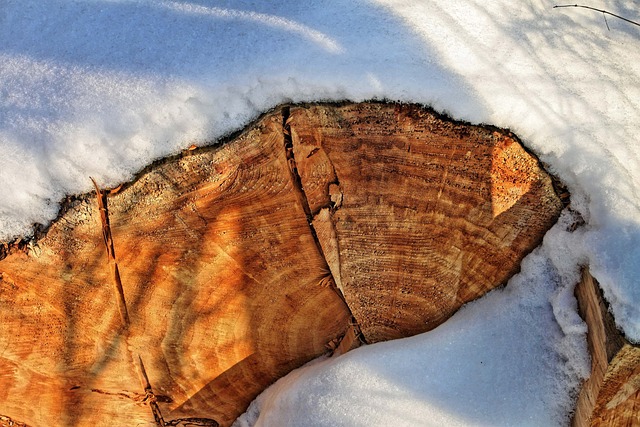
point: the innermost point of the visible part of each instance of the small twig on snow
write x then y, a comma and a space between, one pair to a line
604, 12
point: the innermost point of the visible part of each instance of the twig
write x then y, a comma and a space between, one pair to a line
604, 12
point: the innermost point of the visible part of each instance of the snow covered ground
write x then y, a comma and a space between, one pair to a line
102, 87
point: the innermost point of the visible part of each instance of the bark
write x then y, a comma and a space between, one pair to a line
611, 395
238, 263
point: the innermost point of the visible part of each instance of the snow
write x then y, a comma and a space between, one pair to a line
503, 360
103, 87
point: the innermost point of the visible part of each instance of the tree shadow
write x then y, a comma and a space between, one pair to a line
127, 80
213, 251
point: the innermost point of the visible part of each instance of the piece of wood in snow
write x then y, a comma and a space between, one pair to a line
221, 277
611, 395
220, 253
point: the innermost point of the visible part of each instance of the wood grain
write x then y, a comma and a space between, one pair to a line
222, 281
428, 214
235, 263
611, 395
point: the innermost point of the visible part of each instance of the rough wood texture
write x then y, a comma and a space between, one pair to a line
222, 280
232, 261
611, 395
8, 422
428, 214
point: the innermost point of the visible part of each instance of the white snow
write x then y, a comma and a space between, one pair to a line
102, 87
505, 360
497, 362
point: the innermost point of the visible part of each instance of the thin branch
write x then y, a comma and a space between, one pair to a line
604, 12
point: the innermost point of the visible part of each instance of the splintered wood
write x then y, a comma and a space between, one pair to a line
611, 395
235, 263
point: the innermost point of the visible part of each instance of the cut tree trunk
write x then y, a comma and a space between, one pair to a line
611, 395
232, 265
424, 214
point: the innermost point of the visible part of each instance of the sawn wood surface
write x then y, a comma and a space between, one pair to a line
241, 262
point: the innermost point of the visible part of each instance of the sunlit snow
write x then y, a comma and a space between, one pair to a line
103, 87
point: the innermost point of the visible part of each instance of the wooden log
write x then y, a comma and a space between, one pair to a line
235, 263
611, 395
223, 285
428, 214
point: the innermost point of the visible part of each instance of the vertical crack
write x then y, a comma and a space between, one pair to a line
295, 175
150, 397
111, 254
304, 202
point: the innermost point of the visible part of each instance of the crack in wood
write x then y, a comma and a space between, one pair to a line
192, 422
111, 254
135, 397
149, 397
304, 201
295, 176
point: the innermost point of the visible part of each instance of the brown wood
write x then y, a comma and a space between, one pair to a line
222, 281
231, 265
611, 395
428, 214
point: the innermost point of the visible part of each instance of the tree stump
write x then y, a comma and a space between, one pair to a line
232, 265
